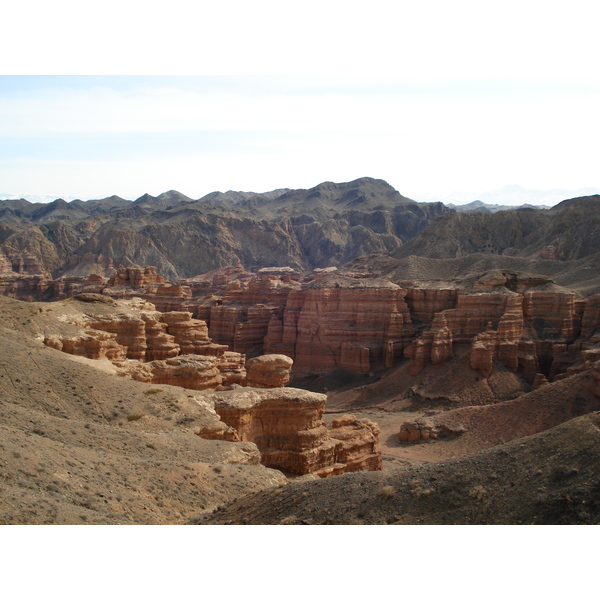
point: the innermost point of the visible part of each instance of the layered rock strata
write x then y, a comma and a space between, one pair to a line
153, 344
97, 345
287, 426
424, 429
326, 320
432, 347
243, 318
529, 331
191, 372
354, 326
268, 371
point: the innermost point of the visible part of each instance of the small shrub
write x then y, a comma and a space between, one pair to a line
388, 492
478, 493
152, 391
134, 417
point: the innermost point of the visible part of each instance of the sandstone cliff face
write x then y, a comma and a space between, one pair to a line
432, 347
531, 331
424, 303
358, 327
242, 319
129, 331
287, 427
591, 316
325, 320
191, 335
159, 344
135, 277
96, 345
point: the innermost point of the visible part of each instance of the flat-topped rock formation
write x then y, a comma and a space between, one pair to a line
286, 424
150, 346
268, 371
191, 372
342, 322
356, 320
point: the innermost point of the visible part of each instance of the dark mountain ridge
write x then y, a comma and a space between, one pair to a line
327, 225
568, 231
323, 226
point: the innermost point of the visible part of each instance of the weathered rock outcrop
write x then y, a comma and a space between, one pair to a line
129, 331
287, 426
159, 344
136, 277
510, 327
191, 372
268, 371
424, 429
170, 297
356, 320
232, 366
424, 303
590, 320
432, 347
340, 322
243, 318
96, 345
359, 448
191, 335
154, 339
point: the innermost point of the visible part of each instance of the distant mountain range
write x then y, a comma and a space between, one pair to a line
328, 225
479, 206
508, 197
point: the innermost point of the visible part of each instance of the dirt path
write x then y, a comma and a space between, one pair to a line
394, 452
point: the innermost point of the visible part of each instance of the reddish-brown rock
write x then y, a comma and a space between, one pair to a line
135, 277
591, 316
159, 344
474, 311
170, 296
191, 334
432, 347
23, 262
243, 318
359, 450
286, 424
232, 366
268, 371
424, 429
191, 372
552, 314
96, 345
358, 326
129, 331
424, 303
482, 351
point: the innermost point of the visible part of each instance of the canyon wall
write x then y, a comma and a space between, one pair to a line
324, 320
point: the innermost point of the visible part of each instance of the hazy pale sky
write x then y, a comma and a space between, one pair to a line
433, 97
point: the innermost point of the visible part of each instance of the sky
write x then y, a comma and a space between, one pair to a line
441, 100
